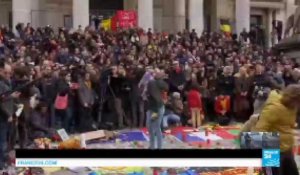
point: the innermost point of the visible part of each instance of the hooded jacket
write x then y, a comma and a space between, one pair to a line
275, 117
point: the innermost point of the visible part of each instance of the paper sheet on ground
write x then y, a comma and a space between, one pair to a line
201, 135
63, 134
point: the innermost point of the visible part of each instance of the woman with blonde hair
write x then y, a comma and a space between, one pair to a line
242, 87
279, 115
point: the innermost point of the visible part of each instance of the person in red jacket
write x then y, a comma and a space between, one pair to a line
222, 109
195, 106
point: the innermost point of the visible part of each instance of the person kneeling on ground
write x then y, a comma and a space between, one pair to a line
38, 122
222, 109
173, 112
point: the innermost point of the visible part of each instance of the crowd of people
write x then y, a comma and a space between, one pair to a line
87, 79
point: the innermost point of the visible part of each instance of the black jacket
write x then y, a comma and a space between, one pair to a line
225, 85
175, 80
38, 126
7, 102
119, 87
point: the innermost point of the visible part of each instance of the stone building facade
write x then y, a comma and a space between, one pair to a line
160, 15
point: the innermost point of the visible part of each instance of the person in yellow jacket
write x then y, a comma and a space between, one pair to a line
279, 115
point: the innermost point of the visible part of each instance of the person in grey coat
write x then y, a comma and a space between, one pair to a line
86, 99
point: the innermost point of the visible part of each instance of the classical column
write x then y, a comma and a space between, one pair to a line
168, 16
37, 13
81, 13
21, 12
179, 15
242, 15
196, 15
269, 28
145, 14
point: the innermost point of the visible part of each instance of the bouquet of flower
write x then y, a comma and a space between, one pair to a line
43, 143
72, 143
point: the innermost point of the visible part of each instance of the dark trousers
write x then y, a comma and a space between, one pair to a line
138, 112
288, 165
85, 119
20, 129
224, 120
3, 142
209, 109
134, 112
119, 111
62, 119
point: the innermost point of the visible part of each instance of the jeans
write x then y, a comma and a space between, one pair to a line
142, 104
138, 115
3, 142
170, 117
62, 119
154, 127
119, 111
85, 119
52, 118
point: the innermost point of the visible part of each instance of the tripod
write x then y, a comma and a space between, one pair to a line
103, 93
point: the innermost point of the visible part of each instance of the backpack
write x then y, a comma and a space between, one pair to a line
61, 102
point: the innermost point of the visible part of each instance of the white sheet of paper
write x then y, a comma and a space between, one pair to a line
20, 110
63, 134
83, 141
211, 137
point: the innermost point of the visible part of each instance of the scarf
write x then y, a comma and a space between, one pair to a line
178, 70
88, 84
224, 103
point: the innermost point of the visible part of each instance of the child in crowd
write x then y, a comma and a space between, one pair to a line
195, 106
222, 109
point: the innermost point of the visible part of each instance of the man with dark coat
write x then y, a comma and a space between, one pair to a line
177, 78
6, 108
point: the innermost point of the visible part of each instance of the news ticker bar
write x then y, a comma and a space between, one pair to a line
140, 153
140, 162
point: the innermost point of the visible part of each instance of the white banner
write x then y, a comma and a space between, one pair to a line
134, 162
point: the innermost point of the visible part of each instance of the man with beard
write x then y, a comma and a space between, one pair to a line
115, 88
47, 87
177, 78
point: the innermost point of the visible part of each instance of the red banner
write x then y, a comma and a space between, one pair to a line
126, 19
114, 22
